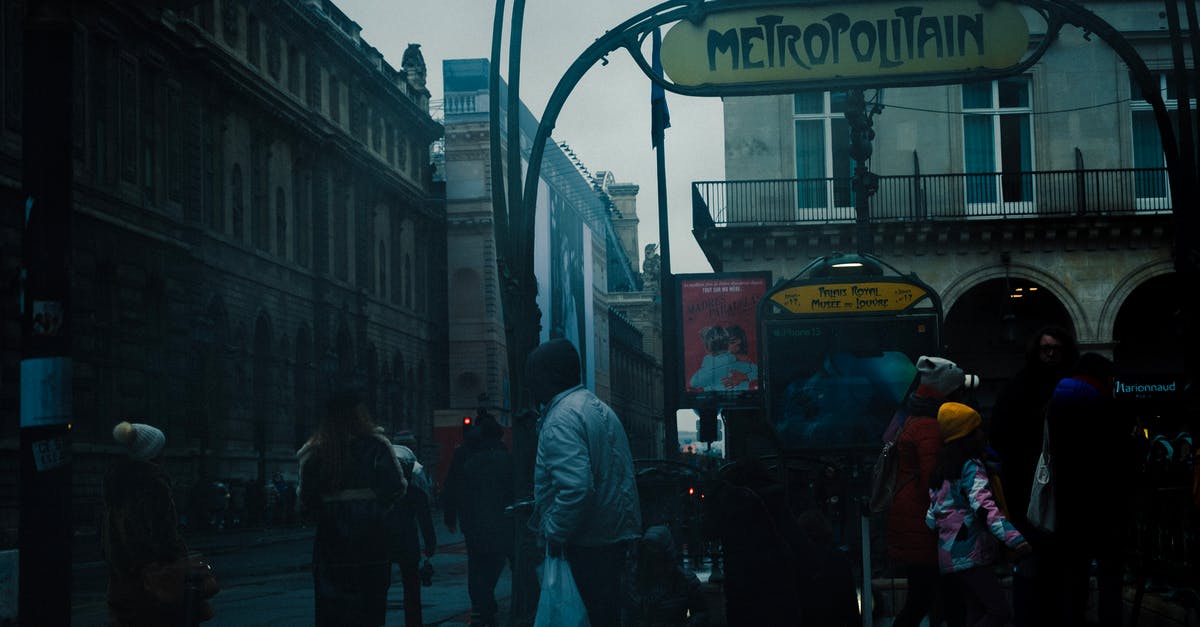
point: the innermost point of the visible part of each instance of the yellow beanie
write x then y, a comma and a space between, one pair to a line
956, 420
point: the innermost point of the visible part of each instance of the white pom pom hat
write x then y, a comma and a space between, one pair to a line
140, 441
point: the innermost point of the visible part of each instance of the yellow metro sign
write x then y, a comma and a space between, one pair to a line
873, 39
846, 298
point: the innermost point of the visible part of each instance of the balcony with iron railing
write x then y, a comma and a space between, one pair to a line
932, 197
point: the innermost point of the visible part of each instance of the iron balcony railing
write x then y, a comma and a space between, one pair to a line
913, 198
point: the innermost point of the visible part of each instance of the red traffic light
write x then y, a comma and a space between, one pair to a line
466, 421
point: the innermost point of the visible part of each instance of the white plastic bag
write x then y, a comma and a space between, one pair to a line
560, 604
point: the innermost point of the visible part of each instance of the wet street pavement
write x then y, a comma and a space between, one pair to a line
266, 579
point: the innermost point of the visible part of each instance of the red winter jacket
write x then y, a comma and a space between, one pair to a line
909, 540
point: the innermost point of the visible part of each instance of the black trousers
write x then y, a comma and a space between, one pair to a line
926, 587
410, 579
598, 572
483, 571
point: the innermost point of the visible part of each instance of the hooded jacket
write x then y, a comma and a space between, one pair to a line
909, 540
968, 521
479, 486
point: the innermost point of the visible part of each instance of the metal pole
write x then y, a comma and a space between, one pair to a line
45, 397
667, 285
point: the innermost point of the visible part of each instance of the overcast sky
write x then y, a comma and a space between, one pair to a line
606, 120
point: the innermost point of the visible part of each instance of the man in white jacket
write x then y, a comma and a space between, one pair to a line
585, 496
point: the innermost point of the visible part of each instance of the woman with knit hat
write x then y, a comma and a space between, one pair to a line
912, 547
140, 533
967, 517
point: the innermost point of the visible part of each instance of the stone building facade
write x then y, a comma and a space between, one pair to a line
255, 224
1039, 198
606, 210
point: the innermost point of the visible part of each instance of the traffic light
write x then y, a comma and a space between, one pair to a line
707, 430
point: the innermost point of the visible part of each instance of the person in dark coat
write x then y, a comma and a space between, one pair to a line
406, 516
828, 591
1093, 463
665, 594
140, 532
349, 477
911, 545
479, 485
762, 542
1015, 433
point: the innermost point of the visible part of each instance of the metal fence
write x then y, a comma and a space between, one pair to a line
938, 197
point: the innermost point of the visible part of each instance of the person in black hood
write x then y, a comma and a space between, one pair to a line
479, 485
585, 497
551, 368
1015, 433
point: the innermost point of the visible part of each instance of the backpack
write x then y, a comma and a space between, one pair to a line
884, 477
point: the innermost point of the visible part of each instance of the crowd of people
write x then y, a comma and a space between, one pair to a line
966, 505
959, 511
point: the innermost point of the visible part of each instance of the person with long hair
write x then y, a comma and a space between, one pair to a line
965, 512
349, 477
1015, 432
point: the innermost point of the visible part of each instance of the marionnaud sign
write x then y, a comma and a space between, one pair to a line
870, 39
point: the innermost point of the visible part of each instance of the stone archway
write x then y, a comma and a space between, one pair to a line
1148, 329
986, 328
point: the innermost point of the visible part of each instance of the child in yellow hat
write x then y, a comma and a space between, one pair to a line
967, 518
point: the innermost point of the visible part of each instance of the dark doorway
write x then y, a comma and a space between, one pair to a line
989, 326
1148, 332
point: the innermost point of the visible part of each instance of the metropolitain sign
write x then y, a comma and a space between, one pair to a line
798, 43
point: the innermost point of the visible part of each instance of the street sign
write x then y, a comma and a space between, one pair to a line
884, 40
870, 296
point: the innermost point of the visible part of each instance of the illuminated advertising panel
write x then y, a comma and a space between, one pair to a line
719, 335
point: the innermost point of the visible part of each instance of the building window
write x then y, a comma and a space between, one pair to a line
14, 37
1152, 190
210, 194
301, 203
205, 15
129, 119
252, 40
274, 49
150, 134
237, 191
174, 133
229, 21
312, 80
341, 236
281, 222
381, 264
103, 67
823, 164
293, 70
998, 139
335, 100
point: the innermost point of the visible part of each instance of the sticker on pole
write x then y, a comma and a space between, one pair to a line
45, 391
50, 454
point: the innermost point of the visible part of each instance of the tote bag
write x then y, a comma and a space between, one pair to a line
1041, 512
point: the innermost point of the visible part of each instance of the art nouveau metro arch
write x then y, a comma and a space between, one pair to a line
784, 47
